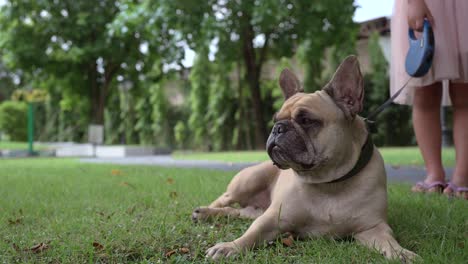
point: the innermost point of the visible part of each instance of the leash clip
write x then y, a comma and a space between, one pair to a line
371, 126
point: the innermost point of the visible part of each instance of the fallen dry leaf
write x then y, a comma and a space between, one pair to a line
16, 221
127, 184
170, 253
116, 172
103, 214
184, 250
39, 247
97, 246
173, 195
287, 241
131, 210
170, 181
16, 247
102, 255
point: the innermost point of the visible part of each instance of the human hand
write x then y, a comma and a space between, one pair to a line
417, 11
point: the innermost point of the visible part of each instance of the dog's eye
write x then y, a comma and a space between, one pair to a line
306, 121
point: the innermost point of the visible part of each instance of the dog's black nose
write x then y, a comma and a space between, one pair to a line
280, 127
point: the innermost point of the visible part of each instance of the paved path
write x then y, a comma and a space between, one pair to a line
410, 174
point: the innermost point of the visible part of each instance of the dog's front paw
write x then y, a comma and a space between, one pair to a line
407, 256
200, 214
404, 255
222, 250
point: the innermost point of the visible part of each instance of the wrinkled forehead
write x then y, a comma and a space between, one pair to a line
318, 103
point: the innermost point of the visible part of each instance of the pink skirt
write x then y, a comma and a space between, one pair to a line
450, 63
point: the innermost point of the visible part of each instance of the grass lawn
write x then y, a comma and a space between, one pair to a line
13, 145
18, 145
107, 213
391, 155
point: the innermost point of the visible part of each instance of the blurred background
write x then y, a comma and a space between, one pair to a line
175, 74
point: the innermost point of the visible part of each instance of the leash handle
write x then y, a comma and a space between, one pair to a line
421, 51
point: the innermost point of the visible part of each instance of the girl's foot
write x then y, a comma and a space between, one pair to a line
457, 191
433, 187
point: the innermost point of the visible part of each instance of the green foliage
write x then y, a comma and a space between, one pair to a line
112, 120
159, 114
81, 53
84, 45
325, 24
33, 96
46, 121
180, 134
127, 117
271, 92
221, 111
13, 120
248, 34
7, 84
200, 79
143, 110
394, 124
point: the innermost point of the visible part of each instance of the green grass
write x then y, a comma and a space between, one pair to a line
18, 145
140, 213
391, 155
13, 145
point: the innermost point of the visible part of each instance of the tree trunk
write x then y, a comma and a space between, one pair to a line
96, 97
245, 139
99, 92
97, 108
97, 104
253, 80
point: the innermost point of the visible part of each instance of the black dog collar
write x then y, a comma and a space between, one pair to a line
367, 151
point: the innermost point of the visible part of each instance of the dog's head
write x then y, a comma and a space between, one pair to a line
316, 134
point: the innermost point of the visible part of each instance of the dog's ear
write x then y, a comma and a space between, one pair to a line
347, 88
289, 84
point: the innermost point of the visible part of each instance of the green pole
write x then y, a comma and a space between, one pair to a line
30, 128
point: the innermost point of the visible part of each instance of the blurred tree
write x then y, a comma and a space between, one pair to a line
109, 58
13, 119
251, 32
7, 83
328, 37
200, 79
84, 44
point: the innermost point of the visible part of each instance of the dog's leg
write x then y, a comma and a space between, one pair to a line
250, 188
203, 213
381, 238
224, 200
219, 207
264, 228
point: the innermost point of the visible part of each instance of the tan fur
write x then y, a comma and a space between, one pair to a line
303, 203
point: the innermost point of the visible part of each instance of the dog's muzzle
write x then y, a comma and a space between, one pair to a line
274, 150
289, 146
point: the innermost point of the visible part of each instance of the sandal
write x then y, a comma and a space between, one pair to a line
453, 190
422, 187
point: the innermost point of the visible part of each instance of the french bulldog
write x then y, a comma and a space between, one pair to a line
307, 188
